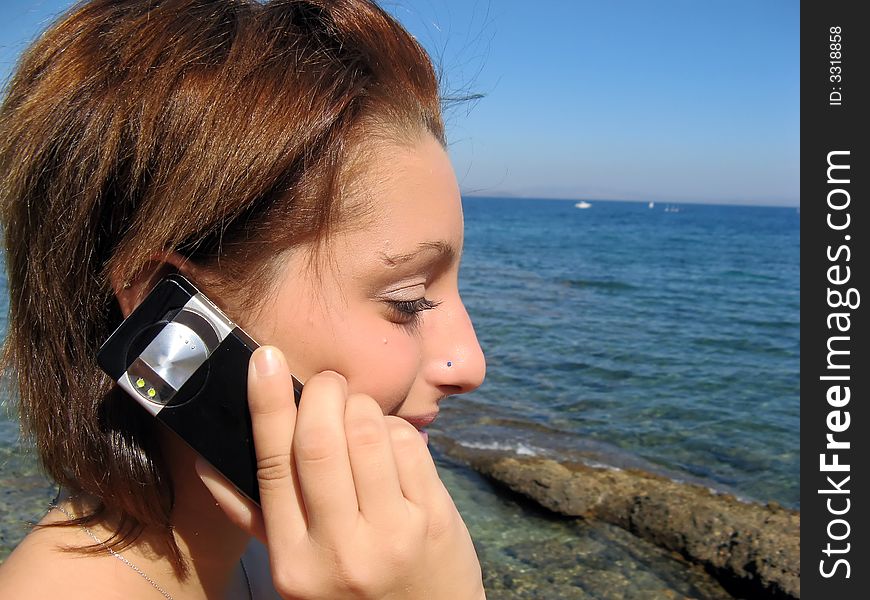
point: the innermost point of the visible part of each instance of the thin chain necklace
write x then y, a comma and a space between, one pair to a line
142, 573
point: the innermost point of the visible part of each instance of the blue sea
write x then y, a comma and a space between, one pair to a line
664, 338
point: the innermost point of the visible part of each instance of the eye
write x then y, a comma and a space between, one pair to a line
407, 312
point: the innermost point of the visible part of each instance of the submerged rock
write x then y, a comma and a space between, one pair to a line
754, 550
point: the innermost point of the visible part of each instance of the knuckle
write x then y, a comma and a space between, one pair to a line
273, 469
443, 521
365, 431
360, 578
402, 432
314, 444
401, 550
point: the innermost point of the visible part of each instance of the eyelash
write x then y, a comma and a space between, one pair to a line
407, 312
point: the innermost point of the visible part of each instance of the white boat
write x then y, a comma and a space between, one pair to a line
582, 204
652, 204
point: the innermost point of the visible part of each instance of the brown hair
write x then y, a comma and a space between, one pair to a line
219, 129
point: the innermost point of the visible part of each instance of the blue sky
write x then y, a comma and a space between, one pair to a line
674, 100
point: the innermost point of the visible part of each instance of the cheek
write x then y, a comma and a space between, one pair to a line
378, 359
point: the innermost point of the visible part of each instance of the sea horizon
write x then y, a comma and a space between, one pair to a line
749, 203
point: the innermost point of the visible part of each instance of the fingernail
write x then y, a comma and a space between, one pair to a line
266, 361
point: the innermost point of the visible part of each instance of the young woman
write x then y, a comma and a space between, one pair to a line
288, 158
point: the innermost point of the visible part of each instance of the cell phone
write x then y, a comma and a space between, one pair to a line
181, 358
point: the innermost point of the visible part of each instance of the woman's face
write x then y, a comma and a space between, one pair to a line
384, 309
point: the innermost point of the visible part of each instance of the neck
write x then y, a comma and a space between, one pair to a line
212, 545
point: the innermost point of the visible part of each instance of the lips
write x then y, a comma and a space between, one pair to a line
421, 421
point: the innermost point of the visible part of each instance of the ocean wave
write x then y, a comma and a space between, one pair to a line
518, 448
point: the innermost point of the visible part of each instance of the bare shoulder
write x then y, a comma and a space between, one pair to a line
256, 562
39, 568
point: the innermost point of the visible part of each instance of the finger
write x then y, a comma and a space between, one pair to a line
418, 476
320, 456
241, 511
273, 418
371, 458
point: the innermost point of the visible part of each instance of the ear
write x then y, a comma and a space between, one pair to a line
131, 292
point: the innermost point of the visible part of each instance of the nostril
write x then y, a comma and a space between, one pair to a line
449, 390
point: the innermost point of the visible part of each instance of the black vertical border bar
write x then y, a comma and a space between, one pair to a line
826, 128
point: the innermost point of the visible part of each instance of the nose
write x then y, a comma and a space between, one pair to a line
456, 363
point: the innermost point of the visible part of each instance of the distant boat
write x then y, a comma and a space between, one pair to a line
582, 204
670, 208
652, 204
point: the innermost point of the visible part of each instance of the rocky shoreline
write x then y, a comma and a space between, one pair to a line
753, 550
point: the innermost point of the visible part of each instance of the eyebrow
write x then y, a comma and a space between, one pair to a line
442, 249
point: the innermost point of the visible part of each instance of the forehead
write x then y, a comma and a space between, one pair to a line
412, 199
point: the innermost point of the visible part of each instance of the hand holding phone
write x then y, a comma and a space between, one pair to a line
352, 505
